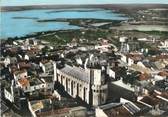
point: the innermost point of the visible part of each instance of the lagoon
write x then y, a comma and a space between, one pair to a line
21, 23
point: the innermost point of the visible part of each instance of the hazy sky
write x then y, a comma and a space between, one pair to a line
36, 2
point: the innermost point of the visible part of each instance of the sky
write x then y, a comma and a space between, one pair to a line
43, 2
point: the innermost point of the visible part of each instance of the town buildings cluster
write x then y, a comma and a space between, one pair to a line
74, 81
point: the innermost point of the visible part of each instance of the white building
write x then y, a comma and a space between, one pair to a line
6, 61
9, 95
111, 72
47, 66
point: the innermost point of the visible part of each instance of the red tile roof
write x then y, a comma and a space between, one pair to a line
151, 100
33, 50
144, 76
163, 73
135, 57
24, 82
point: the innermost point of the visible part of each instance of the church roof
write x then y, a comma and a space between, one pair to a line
76, 72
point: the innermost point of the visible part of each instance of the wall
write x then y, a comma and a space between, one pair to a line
130, 61
100, 113
8, 96
35, 87
99, 94
74, 86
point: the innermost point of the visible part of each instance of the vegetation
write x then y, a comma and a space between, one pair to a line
85, 22
131, 78
162, 34
64, 37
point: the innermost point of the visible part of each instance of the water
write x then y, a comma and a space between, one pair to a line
20, 23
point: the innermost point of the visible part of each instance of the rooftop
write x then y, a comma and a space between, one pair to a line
52, 106
150, 100
24, 82
47, 77
3, 107
144, 76
45, 61
76, 72
35, 81
164, 95
24, 65
13, 68
30, 81
158, 57
118, 111
110, 105
163, 73
135, 56
53, 112
20, 71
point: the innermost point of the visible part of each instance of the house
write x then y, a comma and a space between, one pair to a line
12, 68
73, 43
160, 76
57, 108
120, 83
26, 57
149, 101
157, 58
164, 45
144, 77
111, 73
8, 94
162, 95
18, 74
7, 61
24, 65
161, 85
31, 41
32, 52
161, 64
30, 84
13, 60
48, 80
102, 48
115, 72
131, 58
149, 65
123, 109
124, 58
47, 66
156, 101
140, 68
12, 50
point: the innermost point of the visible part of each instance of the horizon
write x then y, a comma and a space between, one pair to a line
76, 2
